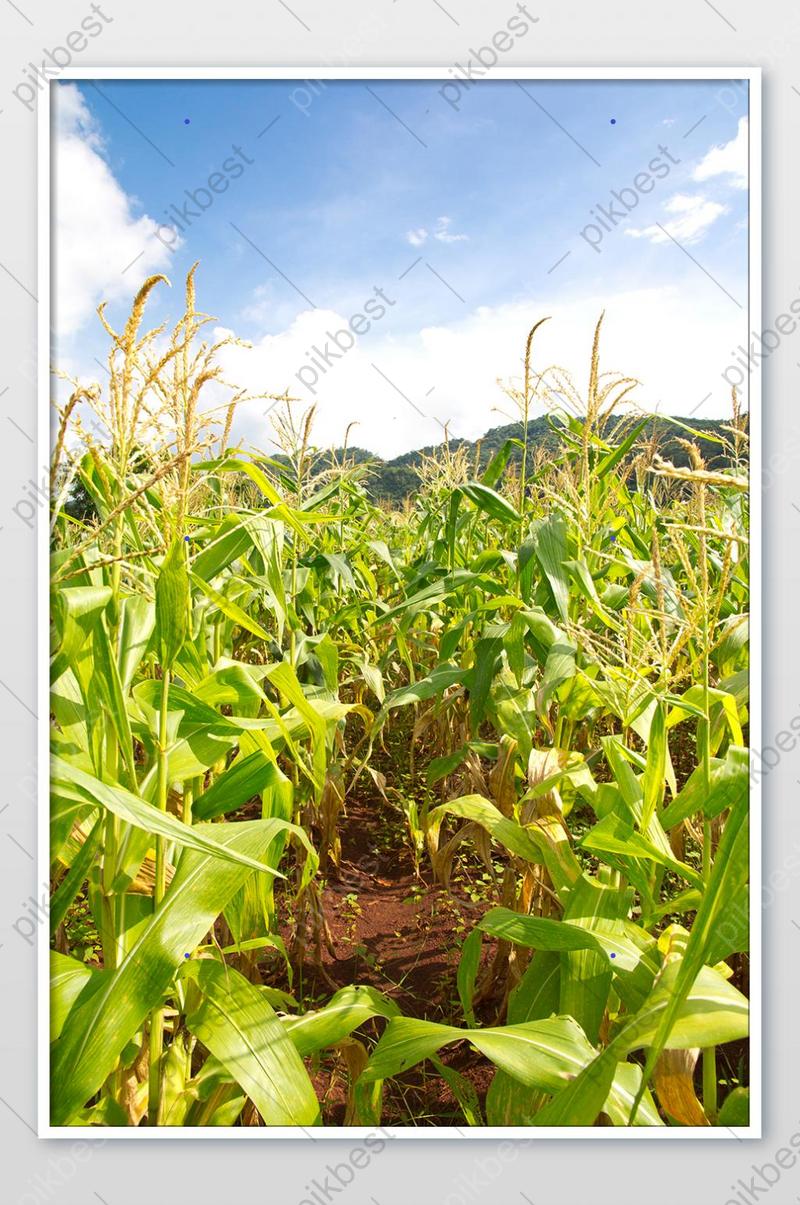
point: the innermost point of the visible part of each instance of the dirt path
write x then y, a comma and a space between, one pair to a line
402, 934
390, 928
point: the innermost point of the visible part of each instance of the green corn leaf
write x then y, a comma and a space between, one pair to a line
538, 993
729, 783
711, 1012
173, 600
98, 1028
613, 458
427, 688
229, 608
496, 466
75, 877
248, 776
236, 1024
581, 1101
655, 768
735, 1109
76, 612
544, 1054
549, 538
467, 972
586, 974
488, 500
110, 687
487, 654
535, 843
463, 1090
728, 876
137, 620
230, 540
345, 1011
612, 835
436, 592
69, 980
70, 782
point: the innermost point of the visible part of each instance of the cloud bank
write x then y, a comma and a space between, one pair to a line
102, 249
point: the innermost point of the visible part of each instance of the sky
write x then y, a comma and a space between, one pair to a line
385, 246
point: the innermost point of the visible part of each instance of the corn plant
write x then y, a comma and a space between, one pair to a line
563, 636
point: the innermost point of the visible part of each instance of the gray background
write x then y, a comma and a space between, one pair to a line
399, 32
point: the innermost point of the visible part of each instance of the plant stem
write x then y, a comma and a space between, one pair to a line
191, 789
709, 1052
157, 1015
292, 635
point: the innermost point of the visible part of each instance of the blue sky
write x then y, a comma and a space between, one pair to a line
473, 218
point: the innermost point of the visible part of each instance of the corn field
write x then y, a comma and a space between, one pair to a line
516, 707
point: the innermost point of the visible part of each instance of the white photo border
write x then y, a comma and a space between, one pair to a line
308, 74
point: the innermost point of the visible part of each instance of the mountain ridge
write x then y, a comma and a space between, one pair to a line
394, 479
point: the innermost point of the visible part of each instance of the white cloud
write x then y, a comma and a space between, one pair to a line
695, 216
417, 237
450, 372
444, 234
96, 231
730, 159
